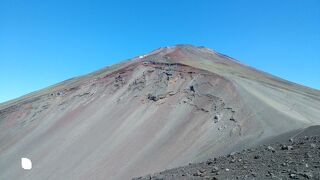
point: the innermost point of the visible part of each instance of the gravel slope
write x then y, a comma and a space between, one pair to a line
297, 158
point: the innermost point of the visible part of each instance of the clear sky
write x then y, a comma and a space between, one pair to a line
45, 42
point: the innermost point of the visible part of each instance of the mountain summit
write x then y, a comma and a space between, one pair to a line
159, 110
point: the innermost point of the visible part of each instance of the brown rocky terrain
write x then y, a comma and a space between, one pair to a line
160, 110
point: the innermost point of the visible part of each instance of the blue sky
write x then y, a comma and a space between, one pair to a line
45, 42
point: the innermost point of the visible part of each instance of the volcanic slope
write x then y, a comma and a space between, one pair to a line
157, 111
294, 158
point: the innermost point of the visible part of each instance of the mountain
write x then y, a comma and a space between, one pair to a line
160, 110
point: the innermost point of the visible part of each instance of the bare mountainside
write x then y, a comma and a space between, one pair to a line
157, 111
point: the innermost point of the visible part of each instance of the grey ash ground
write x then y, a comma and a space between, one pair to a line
295, 159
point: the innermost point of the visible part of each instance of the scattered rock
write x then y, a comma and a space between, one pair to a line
270, 148
197, 173
192, 89
216, 118
215, 169
232, 119
256, 157
299, 160
285, 147
293, 176
284, 164
209, 162
152, 97
307, 175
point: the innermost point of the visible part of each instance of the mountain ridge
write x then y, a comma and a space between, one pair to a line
151, 52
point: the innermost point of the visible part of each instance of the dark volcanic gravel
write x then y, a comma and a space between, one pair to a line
294, 159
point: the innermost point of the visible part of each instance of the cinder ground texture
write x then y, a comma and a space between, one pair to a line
160, 110
296, 158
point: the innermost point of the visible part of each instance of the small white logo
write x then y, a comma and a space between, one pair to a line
26, 163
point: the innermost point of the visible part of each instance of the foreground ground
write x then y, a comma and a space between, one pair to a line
295, 159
